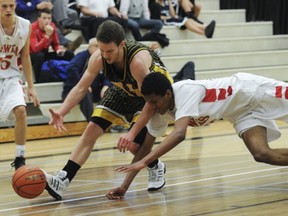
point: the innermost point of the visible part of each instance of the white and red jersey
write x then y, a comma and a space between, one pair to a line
11, 46
237, 98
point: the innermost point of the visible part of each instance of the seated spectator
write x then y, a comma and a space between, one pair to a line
64, 17
155, 9
139, 17
169, 17
75, 71
43, 36
93, 13
30, 9
188, 8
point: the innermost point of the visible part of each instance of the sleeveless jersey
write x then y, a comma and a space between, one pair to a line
11, 46
124, 79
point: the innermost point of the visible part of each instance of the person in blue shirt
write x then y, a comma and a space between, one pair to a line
75, 70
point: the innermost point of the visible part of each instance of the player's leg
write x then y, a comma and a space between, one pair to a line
256, 141
157, 169
20, 135
56, 185
13, 101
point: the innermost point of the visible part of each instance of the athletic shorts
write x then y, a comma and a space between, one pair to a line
118, 107
11, 95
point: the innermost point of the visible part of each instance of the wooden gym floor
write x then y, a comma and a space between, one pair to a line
210, 173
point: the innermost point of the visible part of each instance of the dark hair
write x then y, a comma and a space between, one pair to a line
156, 83
110, 31
45, 10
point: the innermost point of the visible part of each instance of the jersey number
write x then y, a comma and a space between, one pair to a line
5, 62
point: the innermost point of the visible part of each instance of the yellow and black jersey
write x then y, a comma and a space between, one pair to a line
124, 79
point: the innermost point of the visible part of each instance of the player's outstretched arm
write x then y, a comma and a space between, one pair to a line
170, 142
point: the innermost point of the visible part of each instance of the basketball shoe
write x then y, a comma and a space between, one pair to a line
56, 185
18, 162
156, 176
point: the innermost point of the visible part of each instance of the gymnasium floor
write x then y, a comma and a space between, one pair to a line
210, 173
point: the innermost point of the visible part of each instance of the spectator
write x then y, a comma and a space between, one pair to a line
139, 17
75, 71
42, 37
169, 16
30, 9
93, 13
63, 16
190, 9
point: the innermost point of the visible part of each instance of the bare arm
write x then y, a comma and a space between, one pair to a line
78, 91
27, 69
87, 12
170, 142
139, 68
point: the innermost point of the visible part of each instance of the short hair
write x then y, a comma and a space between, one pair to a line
156, 83
45, 10
110, 31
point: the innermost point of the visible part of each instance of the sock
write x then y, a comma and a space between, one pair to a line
20, 150
153, 164
71, 168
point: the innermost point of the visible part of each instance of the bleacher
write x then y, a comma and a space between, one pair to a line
236, 46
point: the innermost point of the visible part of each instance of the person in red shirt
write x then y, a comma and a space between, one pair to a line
42, 37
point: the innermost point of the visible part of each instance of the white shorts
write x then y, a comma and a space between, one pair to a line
11, 95
249, 121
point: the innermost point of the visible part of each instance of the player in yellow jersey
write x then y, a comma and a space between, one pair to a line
125, 63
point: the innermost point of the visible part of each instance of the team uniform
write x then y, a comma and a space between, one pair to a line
11, 89
123, 101
243, 99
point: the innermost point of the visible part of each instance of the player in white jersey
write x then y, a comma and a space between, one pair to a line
14, 55
251, 103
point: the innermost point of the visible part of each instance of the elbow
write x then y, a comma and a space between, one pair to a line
180, 136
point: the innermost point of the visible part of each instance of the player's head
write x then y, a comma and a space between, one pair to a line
44, 17
7, 8
110, 36
157, 91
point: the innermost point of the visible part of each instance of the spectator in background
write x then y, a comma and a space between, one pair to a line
75, 71
170, 17
139, 17
190, 9
93, 13
63, 16
155, 9
42, 37
30, 9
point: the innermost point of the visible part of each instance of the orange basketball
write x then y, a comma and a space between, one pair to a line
29, 181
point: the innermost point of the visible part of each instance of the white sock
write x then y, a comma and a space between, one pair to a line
20, 150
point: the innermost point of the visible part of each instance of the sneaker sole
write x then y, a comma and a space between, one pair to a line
52, 193
155, 189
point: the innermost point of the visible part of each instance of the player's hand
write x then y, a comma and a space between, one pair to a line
125, 142
116, 193
131, 167
57, 120
32, 96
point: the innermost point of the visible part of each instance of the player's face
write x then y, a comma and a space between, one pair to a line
44, 19
7, 8
161, 104
111, 52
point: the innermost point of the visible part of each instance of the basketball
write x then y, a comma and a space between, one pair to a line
29, 181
